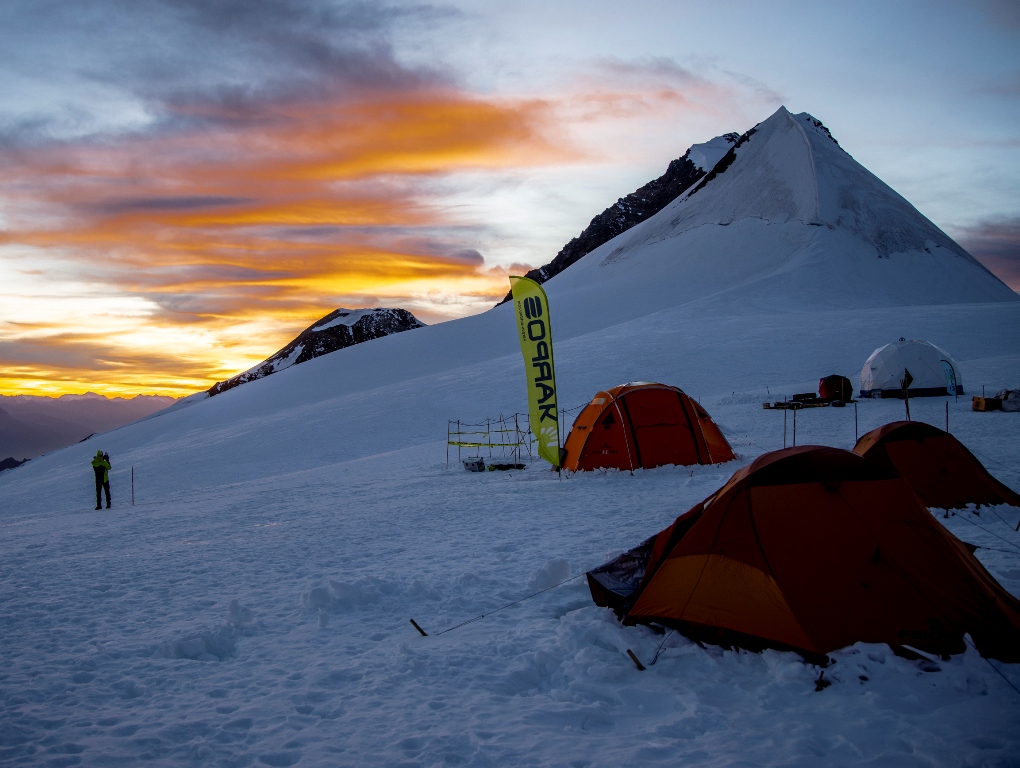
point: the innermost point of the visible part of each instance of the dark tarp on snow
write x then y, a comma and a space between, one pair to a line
835, 387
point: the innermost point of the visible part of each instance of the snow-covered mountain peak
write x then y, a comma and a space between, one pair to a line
811, 123
706, 156
789, 168
786, 217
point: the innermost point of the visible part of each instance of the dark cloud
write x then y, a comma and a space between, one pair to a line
996, 244
468, 256
194, 61
168, 203
658, 67
78, 352
1003, 12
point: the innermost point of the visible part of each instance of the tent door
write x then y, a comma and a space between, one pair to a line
657, 417
947, 368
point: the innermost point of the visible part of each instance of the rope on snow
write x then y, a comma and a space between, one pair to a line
497, 610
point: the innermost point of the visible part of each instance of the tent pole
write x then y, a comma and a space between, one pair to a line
559, 437
784, 422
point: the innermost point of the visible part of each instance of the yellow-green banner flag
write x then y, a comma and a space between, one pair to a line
535, 330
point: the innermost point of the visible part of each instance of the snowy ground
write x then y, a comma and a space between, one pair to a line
318, 499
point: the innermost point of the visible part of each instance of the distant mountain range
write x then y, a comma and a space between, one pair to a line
340, 329
31, 425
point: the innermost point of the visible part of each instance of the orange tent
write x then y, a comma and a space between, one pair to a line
812, 549
942, 472
643, 425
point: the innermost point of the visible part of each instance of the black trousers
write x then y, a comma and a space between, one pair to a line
101, 486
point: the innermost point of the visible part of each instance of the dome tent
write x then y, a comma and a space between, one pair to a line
643, 425
932, 370
812, 549
940, 469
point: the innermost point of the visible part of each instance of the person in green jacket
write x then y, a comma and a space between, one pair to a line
101, 466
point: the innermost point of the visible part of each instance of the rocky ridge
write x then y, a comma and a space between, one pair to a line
648, 200
339, 329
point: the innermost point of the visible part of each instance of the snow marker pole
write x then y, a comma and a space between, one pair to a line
638, 664
132, 485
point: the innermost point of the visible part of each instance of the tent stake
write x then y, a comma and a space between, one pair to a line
638, 664
415, 625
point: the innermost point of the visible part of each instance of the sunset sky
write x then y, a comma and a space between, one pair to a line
184, 186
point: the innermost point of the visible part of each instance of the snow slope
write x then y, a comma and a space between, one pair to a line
252, 608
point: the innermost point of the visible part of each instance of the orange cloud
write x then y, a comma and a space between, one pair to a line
232, 233
272, 221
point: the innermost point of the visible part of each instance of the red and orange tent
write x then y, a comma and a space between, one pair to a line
940, 469
813, 549
643, 425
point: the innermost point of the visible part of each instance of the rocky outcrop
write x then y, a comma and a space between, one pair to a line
339, 329
647, 201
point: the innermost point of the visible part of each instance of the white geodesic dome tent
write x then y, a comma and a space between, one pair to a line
933, 370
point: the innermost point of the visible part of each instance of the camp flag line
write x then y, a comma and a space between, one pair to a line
531, 307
